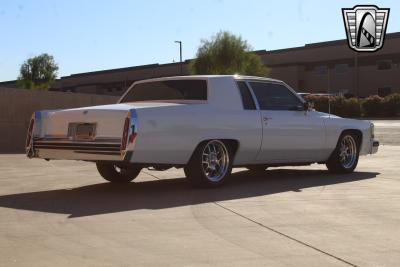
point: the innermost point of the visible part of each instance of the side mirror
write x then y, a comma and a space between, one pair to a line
308, 106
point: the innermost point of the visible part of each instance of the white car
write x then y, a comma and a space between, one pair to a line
205, 124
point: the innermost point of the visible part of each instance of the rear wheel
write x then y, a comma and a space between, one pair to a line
210, 165
344, 158
116, 173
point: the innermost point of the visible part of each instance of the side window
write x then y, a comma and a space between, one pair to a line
274, 96
247, 99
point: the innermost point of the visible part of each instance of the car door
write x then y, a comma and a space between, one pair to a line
290, 133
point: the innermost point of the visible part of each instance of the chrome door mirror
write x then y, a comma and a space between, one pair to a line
308, 106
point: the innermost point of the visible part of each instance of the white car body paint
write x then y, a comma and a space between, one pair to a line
169, 131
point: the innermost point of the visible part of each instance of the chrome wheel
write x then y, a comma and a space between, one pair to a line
215, 160
348, 152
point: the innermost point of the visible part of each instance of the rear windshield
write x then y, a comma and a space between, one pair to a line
168, 90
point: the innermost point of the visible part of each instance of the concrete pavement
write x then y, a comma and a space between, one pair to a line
388, 131
62, 213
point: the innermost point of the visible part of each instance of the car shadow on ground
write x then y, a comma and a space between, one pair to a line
104, 198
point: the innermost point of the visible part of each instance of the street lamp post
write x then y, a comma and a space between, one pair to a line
356, 74
180, 54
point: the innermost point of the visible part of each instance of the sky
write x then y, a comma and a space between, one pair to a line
96, 35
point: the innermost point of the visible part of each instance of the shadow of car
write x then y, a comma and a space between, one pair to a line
105, 198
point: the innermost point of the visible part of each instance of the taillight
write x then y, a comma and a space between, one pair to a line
132, 137
130, 131
30, 133
125, 133
133, 129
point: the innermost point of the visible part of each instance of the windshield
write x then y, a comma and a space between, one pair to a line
168, 90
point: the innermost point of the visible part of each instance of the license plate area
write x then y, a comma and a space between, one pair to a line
81, 131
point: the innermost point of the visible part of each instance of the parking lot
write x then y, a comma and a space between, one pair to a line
62, 213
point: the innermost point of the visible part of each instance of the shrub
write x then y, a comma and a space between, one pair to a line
352, 107
373, 106
340, 106
320, 102
391, 105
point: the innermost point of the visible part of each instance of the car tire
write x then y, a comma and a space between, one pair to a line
210, 164
344, 158
256, 168
116, 173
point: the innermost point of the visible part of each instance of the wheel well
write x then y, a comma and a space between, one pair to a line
232, 143
356, 133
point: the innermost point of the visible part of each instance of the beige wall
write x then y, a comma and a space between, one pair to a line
289, 74
17, 106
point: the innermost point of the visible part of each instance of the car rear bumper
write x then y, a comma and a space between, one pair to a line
98, 150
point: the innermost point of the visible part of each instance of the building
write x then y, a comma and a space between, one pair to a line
334, 67
317, 68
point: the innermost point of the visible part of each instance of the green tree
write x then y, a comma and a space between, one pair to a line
227, 53
38, 72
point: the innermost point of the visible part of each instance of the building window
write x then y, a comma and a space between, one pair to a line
341, 68
384, 64
384, 91
321, 70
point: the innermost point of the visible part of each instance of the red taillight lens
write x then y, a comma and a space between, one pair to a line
29, 134
132, 137
125, 134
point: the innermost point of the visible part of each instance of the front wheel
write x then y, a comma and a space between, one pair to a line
116, 173
210, 165
344, 158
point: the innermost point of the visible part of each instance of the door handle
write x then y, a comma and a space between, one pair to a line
266, 118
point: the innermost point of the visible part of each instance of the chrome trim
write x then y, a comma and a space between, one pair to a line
252, 94
372, 130
248, 81
63, 148
77, 155
84, 146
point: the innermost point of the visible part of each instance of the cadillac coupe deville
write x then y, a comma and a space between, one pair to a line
204, 124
